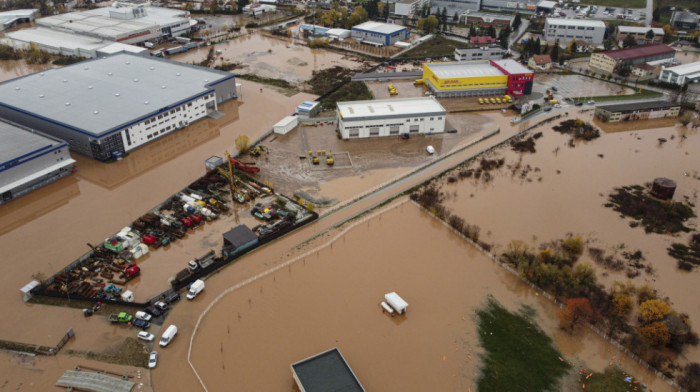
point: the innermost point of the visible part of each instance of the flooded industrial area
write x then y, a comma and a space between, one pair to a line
272, 57
320, 286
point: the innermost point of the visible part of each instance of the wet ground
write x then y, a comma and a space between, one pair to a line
269, 57
328, 297
576, 86
564, 190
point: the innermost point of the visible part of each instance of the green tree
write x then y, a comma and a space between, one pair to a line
492, 32
503, 37
572, 46
455, 18
655, 334
443, 19
359, 15
576, 313
472, 31
629, 41
241, 4
650, 35
242, 143
555, 51
623, 70
428, 24
517, 22
653, 310
656, 15
622, 304
607, 44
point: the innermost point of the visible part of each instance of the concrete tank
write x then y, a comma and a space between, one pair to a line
663, 188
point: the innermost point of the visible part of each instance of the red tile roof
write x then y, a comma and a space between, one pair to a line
541, 59
638, 52
482, 40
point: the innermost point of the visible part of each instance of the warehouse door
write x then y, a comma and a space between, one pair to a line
374, 131
394, 130
414, 128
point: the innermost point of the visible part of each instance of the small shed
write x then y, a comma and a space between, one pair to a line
308, 109
213, 161
286, 124
238, 240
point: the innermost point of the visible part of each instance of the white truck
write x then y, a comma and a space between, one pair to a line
195, 288
168, 335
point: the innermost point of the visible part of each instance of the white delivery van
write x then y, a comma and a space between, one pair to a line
195, 288
168, 335
396, 302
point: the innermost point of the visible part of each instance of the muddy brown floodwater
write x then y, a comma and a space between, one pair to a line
327, 296
565, 192
269, 57
47, 229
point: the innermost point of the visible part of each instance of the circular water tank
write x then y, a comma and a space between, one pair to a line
663, 188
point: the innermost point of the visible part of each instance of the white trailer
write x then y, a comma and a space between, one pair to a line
396, 302
286, 124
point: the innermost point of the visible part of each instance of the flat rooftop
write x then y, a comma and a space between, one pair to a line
389, 107
575, 22
638, 52
56, 39
491, 16
383, 28
463, 69
686, 69
513, 67
649, 105
326, 372
98, 96
18, 141
640, 30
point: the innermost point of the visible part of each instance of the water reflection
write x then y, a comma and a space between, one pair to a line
28, 207
157, 152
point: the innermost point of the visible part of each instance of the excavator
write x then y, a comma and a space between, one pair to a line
258, 150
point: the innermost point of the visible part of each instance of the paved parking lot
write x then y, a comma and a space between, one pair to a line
602, 12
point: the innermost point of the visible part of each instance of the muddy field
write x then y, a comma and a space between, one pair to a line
562, 189
268, 57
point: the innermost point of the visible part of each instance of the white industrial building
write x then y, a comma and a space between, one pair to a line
29, 160
390, 117
12, 18
681, 74
409, 8
124, 24
66, 44
564, 30
111, 105
379, 34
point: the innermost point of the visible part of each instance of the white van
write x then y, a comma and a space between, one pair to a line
168, 335
195, 288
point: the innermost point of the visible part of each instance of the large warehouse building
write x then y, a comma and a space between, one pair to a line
84, 33
29, 160
390, 117
379, 34
607, 61
107, 106
681, 74
564, 30
637, 111
468, 78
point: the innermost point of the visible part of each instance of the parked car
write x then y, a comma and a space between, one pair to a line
452, 130
160, 305
143, 335
152, 359
579, 104
547, 108
141, 315
192, 265
143, 324
554, 88
172, 298
591, 102
153, 311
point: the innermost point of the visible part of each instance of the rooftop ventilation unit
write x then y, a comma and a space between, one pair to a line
96, 112
371, 109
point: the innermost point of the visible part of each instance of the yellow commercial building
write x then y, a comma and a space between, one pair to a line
479, 77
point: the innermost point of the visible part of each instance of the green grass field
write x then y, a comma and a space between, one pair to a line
519, 356
436, 47
612, 380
